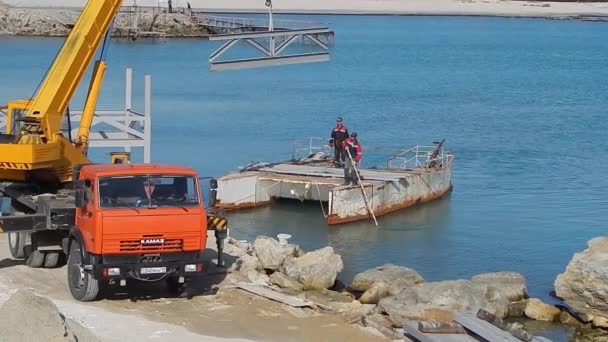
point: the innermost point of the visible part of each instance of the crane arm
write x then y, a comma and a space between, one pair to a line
70, 66
82, 141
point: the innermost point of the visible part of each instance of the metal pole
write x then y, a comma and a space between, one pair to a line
128, 101
147, 119
310, 146
369, 208
270, 26
128, 88
135, 16
270, 21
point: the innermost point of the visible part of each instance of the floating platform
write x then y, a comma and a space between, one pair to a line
412, 176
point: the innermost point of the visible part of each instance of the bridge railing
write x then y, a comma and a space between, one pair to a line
241, 22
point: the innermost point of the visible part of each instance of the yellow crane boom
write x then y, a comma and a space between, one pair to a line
33, 146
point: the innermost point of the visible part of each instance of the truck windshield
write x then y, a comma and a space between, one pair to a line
148, 191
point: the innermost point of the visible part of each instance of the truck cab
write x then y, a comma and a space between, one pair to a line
135, 221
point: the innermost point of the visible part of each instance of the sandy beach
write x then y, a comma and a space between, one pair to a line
396, 7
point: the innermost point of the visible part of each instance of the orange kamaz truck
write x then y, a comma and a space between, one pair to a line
144, 222
111, 222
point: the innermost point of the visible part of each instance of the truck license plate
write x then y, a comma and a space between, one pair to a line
153, 270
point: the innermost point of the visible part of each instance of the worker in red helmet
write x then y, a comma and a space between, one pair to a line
338, 135
354, 152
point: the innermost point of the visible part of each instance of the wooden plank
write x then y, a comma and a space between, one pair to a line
411, 328
439, 327
389, 332
269, 293
483, 328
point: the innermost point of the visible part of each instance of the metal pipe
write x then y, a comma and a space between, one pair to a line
147, 118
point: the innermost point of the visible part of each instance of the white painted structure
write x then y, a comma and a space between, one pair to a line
120, 129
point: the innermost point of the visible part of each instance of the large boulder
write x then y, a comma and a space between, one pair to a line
373, 295
516, 309
247, 264
250, 267
591, 335
567, 319
512, 284
536, 309
271, 253
454, 295
584, 284
237, 248
315, 270
396, 278
285, 282
27, 317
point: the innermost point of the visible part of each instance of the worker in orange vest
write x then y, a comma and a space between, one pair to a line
353, 147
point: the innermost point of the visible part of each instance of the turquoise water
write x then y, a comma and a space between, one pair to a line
521, 102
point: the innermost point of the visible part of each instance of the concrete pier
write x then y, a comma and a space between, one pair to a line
410, 178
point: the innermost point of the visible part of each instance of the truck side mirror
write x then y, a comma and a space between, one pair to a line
80, 196
212, 192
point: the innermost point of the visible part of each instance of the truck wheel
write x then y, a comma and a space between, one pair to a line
82, 284
35, 259
16, 244
51, 260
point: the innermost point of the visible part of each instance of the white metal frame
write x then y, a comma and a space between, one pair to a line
128, 128
306, 147
419, 156
271, 53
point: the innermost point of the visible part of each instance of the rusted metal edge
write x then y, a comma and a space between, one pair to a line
335, 219
244, 205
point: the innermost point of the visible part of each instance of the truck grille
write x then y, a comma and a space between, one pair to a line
152, 243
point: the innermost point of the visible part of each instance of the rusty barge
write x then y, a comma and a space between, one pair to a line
410, 177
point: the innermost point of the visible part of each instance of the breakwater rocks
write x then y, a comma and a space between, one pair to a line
387, 296
584, 285
57, 23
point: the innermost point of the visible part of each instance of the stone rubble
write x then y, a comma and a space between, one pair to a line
57, 22
394, 292
379, 299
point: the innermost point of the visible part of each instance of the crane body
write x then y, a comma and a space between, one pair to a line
111, 222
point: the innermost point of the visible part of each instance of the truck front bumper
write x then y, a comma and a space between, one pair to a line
147, 267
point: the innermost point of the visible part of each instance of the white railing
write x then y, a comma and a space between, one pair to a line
236, 22
420, 156
304, 148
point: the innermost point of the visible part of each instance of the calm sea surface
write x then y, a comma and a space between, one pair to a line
522, 104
